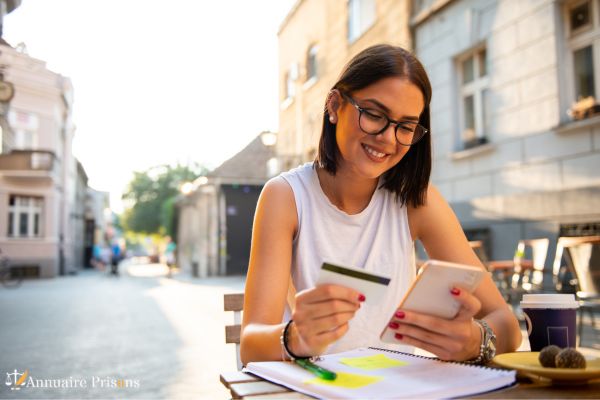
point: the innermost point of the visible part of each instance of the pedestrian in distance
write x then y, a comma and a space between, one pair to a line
169, 253
363, 202
96, 260
115, 257
106, 256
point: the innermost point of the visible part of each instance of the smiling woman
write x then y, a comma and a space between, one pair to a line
362, 203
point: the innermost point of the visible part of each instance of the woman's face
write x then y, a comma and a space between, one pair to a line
370, 156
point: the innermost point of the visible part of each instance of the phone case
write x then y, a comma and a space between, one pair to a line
430, 291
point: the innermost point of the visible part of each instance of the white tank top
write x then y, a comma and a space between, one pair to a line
377, 239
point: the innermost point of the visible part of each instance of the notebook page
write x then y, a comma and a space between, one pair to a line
412, 377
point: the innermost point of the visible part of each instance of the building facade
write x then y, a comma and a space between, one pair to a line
311, 55
515, 128
80, 223
7, 89
215, 217
37, 170
98, 222
515, 153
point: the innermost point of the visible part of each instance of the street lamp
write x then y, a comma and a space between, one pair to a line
186, 188
268, 138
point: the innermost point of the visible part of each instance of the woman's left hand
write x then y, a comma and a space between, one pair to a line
458, 339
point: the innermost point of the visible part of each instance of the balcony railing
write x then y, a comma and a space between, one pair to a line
28, 163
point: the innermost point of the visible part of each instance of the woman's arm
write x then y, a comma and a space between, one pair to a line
321, 314
267, 282
436, 225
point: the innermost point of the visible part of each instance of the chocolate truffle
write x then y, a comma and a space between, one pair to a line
570, 358
547, 356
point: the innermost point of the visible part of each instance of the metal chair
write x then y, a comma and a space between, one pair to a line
501, 271
529, 261
582, 261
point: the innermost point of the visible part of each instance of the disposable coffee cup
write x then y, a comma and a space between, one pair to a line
551, 319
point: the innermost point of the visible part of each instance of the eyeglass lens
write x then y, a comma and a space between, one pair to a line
373, 122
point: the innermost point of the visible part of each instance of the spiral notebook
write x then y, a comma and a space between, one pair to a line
372, 373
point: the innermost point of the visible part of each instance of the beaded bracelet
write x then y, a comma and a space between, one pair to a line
479, 358
284, 338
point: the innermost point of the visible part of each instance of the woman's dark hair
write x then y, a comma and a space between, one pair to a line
410, 177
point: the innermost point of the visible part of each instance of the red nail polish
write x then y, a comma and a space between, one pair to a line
361, 297
455, 291
398, 336
399, 314
393, 325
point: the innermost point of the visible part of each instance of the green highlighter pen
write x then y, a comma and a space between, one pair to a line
315, 369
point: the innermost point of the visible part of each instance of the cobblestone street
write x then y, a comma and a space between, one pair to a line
164, 337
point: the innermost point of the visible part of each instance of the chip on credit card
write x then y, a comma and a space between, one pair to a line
372, 286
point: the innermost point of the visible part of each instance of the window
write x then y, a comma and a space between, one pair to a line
583, 65
311, 62
579, 17
25, 126
290, 81
289, 86
24, 216
582, 20
361, 15
473, 98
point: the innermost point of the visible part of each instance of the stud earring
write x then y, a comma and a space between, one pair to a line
331, 120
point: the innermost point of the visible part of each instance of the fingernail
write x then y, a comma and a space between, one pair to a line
361, 297
398, 336
455, 291
399, 314
393, 325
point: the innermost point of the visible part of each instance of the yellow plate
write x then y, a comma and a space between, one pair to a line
528, 363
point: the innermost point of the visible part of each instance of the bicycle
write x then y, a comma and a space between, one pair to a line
10, 278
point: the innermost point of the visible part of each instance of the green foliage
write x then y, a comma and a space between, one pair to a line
151, 195
168, 217
141, 243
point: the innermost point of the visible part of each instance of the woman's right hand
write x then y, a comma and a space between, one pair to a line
321, 317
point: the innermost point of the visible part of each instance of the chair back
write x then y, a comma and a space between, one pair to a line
479, 249
234, 302
529, 260
582, 258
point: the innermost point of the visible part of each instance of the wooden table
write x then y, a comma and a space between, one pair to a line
246, 386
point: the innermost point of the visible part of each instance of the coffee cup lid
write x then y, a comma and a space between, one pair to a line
549, 301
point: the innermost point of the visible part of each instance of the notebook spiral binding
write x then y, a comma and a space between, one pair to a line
437, 359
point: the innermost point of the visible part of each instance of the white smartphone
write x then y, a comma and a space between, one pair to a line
430, 291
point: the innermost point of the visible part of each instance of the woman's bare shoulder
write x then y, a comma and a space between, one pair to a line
278, 189
277, 201
423, 215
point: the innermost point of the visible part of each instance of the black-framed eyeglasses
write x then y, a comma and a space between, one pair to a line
374, 122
